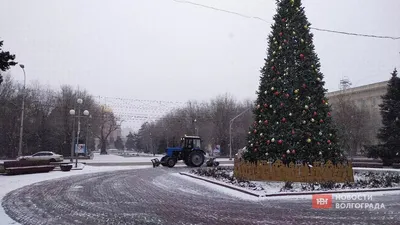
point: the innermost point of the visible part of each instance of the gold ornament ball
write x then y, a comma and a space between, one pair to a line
302, 40
306, 106
308, 140
280, 47
294, 32
318, 79
276, 42
305, 27
296, 91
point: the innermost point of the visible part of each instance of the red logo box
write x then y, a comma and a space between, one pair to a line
322, 201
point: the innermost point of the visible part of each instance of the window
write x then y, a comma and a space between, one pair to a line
197, 143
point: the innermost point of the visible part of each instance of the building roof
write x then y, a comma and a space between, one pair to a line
370, 87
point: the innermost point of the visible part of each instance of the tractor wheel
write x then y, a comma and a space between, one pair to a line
163, 160
196, 158
171, 161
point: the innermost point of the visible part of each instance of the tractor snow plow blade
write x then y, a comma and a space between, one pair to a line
155, 162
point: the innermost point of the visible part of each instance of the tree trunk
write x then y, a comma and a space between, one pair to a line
103, 150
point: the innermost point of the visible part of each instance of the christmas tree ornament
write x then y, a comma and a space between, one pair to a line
304, 86
306, 106
274, 39
268, 142
329, 113
318, 79
290, 114
251, 145
249, 132
329, 142
283, 156
265, 105
288, 151
308, 140
273, 140
280, 142
266, 122
294, 32
261, 134
282, 104
296, 91
280, 34
255, 150
284, 20
280, 48
283, 120
293, 151
274, 111
272, 88
276, 93
312, 66
259, 121
320, 133
318, 143
274, 52
258, 106
312, 120
320, 153
275, 42
270, 106
287, 95
297, 98
277, 123
266, 153
304, 122
273, 67
321, 120
302, 40
272, 60
255, 131
302, 56
265, 92
315, 114
306, 27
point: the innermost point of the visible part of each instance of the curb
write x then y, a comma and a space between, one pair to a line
220, 184
288, 193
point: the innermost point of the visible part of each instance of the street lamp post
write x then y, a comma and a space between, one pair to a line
85, 113
21, 129
87, 134
72, 113
230, 132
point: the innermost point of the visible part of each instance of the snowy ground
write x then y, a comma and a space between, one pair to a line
10, 183
119, 159
365, 179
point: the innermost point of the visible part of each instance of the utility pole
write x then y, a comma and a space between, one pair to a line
21, 129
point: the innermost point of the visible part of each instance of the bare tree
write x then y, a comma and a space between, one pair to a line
106, 124
352, 122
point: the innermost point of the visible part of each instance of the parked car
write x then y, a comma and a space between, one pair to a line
50, 156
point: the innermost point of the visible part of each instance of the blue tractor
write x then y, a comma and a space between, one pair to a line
189, 151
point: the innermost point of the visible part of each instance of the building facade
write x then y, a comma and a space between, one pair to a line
367, 97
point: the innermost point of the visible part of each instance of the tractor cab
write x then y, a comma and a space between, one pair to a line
190, 142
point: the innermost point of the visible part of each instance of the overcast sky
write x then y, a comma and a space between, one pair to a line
164, 50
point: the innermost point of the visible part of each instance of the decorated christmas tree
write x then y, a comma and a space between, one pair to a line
389, 135
292, 115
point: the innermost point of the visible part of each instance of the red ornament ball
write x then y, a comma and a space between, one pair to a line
273, 67
283, 155
321, 120
265, 105
255, 131
329, 113
287, 95
318, 143
280, 142
280, 34
268, 142
329, 141
284, 20
293, 132
276, 93
302, 56
315, 113
255, 150
304, 86
282, 104
266, 122
283, 119
293, 151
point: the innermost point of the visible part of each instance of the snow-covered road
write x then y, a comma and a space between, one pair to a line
161, 196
